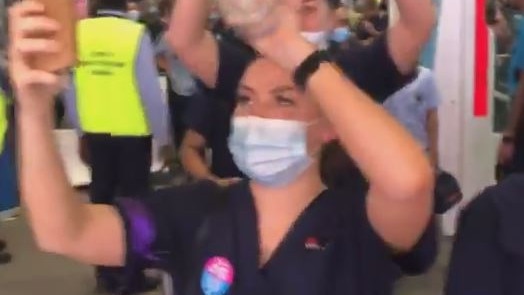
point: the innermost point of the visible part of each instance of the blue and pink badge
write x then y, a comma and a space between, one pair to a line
217, 276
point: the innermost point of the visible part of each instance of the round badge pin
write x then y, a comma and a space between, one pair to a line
217, 276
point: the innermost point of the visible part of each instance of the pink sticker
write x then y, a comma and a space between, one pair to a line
220, 268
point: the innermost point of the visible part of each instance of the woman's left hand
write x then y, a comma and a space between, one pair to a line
281, 40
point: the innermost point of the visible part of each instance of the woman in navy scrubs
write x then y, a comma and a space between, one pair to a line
282, 232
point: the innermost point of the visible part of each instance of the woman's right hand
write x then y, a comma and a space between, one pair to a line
30, 34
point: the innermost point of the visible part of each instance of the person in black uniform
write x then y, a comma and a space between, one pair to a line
488, 253
282, 232
208, 122
379, 69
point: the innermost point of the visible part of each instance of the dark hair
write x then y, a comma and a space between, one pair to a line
338, 170
112, 4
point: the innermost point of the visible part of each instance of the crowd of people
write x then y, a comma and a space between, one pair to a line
310, 139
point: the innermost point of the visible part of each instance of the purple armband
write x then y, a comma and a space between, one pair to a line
141, 229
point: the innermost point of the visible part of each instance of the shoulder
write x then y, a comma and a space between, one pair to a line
511, 186
372, 68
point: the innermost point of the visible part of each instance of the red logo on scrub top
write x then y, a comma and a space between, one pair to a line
312, 243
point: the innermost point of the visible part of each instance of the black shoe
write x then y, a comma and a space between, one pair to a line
5, 258
143, 286
3, 245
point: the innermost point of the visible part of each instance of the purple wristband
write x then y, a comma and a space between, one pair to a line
141, 230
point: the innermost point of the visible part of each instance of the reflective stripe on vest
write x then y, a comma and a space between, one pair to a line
3, 120
108, 98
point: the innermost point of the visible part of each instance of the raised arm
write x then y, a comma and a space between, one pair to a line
400, 177
399, 202
407, 37
61, 223
192, 43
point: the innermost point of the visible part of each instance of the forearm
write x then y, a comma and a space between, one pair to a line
408, 36
392, 161
390, 158
55, 212
188, 22
194, 163
192, 43
418, 15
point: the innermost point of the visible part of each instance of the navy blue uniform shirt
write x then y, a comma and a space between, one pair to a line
208, 240
211, 118
488, 254
370, 67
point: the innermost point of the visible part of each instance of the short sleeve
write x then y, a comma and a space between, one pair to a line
419, 259
475, 265
429, 91
199, 111
372, 69
233, 61
161, 227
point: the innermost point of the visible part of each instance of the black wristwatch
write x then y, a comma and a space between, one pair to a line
308, 67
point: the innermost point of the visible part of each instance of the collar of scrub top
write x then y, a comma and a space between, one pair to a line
111, 12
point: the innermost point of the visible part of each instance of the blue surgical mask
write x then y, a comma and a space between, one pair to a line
271, 152
340, 34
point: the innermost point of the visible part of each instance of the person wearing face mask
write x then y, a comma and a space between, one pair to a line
390, 59
114, 102
280, 232
133, 13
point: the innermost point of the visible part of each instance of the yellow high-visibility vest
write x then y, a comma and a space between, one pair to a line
108, 99
3, 120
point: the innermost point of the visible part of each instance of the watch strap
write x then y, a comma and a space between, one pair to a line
309, 66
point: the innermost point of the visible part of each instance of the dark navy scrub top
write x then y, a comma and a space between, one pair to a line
208, 240
488, 254
370, 67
